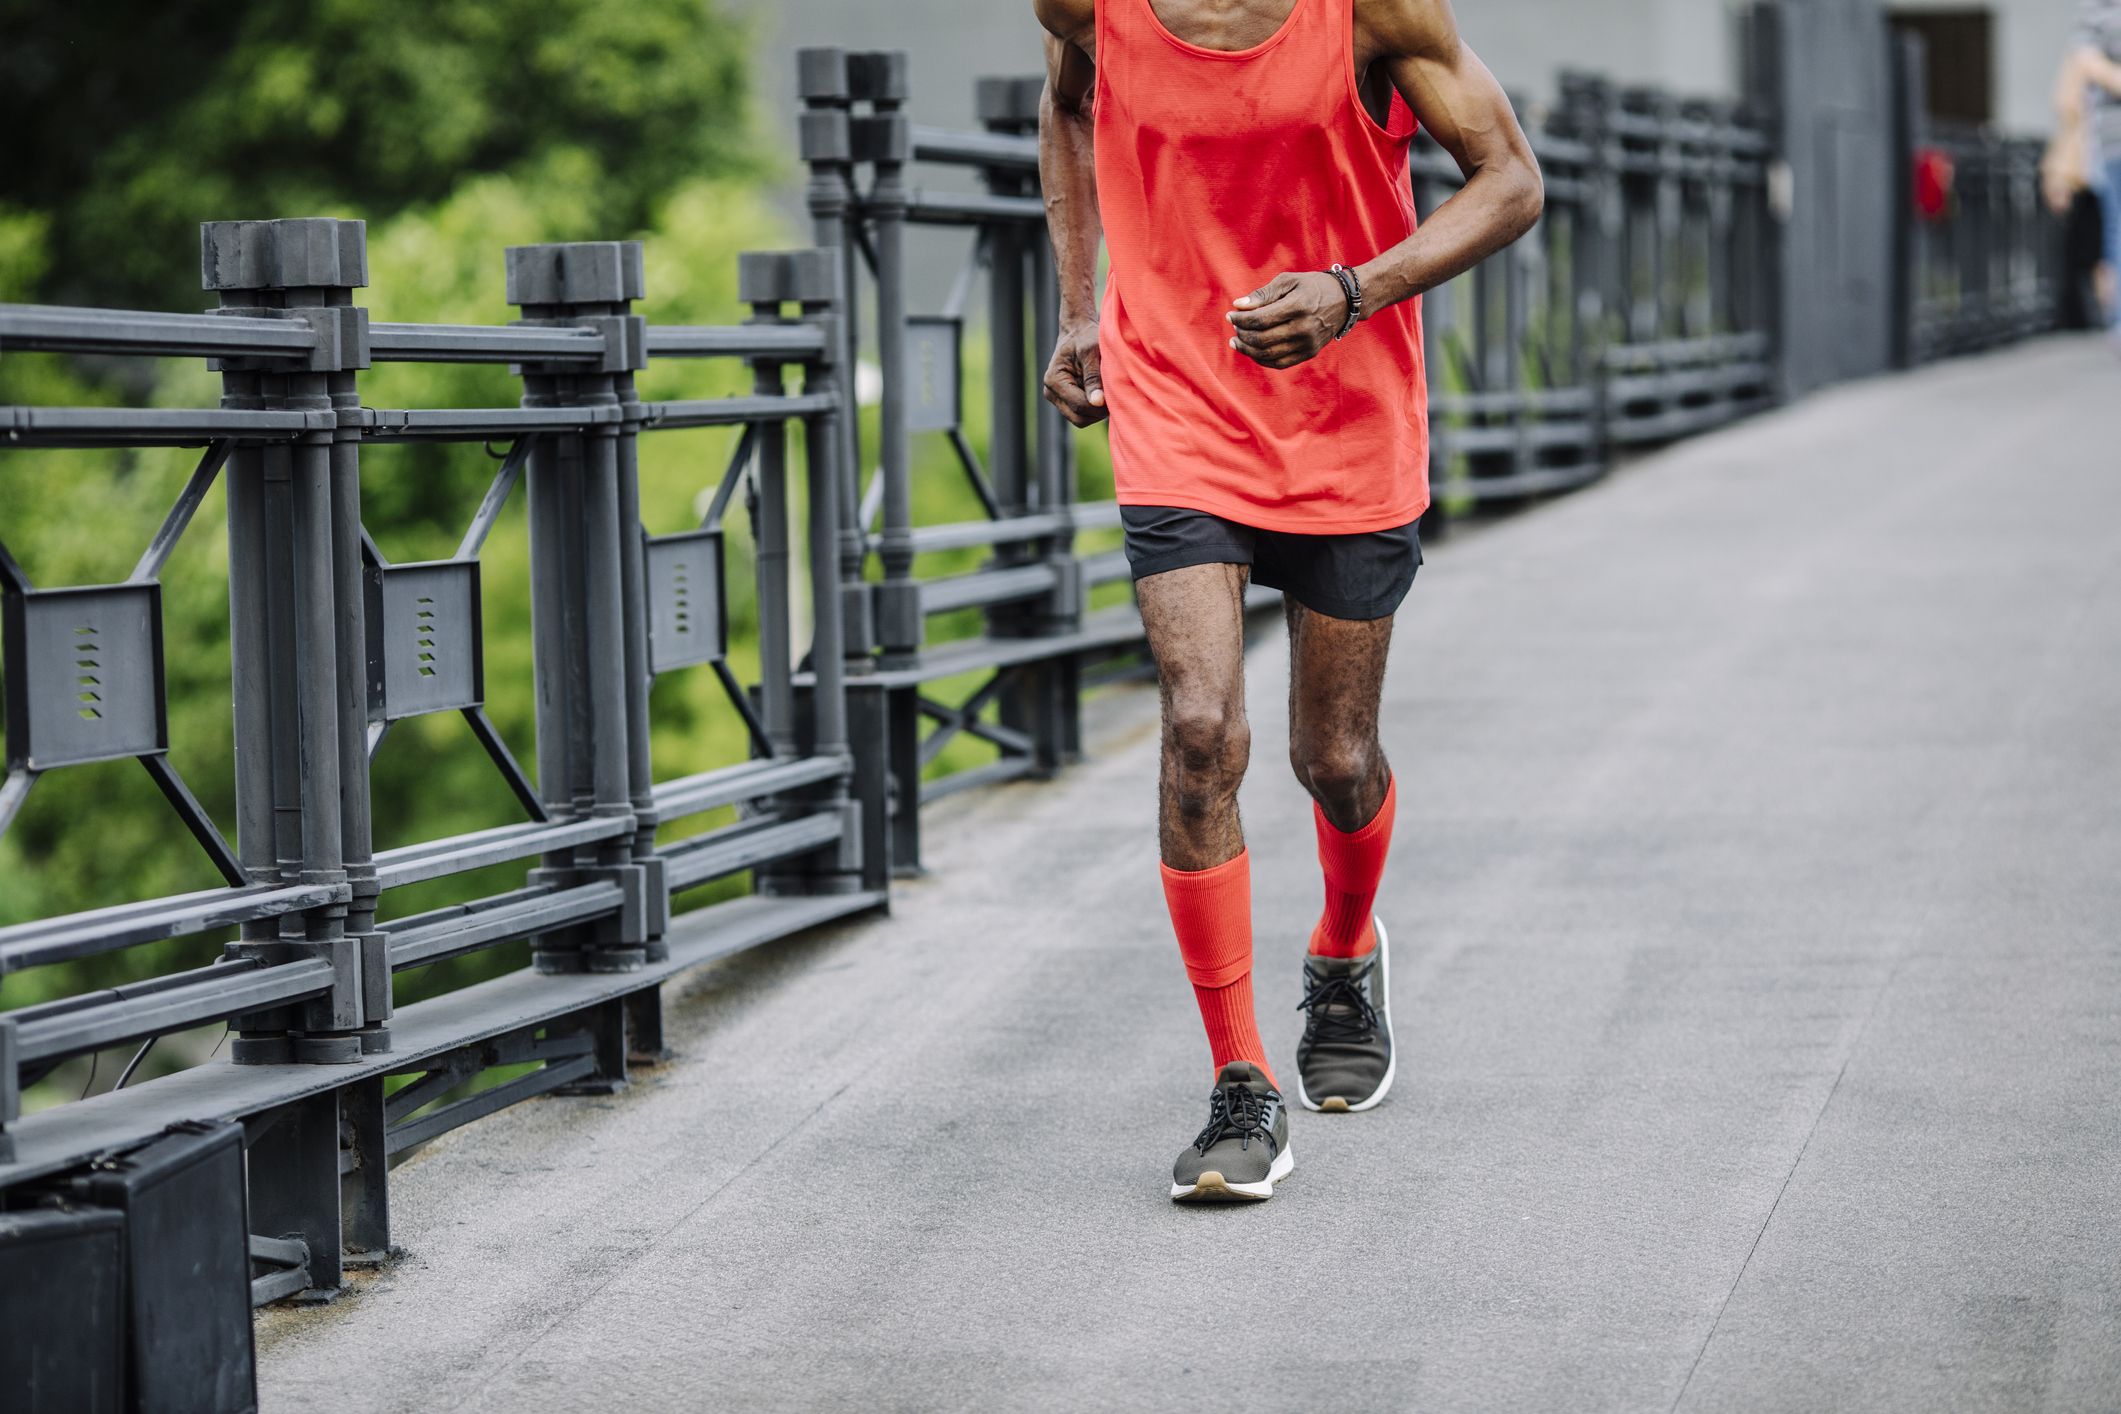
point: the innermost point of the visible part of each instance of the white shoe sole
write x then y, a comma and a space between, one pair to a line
1211, 1187
1333, 1103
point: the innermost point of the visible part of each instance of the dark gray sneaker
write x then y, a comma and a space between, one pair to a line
1245, 1148
1345, 1060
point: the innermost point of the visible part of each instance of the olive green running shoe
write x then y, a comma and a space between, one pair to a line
1244, 1150
1345, 1061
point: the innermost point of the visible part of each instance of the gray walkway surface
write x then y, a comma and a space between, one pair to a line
1757, 907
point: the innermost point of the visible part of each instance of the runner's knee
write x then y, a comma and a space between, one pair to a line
1335, 770
1209, 742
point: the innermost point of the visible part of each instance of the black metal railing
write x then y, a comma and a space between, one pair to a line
1984, 261
1037, 634
1978, 255
333, 644
1634, 313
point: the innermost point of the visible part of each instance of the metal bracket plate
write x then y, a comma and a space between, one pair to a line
688, 621
425, 645
84, 675
934, 361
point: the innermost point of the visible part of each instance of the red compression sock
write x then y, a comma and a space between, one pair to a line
1211, 911
1353, 864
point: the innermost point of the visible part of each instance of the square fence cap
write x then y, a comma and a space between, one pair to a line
575, 272
788, 277
821, 76
304, 252
878, 75
1012, 101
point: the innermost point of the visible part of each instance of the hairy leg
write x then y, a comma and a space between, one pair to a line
1336, 677
1195, 620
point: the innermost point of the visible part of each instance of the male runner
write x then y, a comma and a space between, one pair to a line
1225, 146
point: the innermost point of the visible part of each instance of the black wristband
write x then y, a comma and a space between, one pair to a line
1351, 286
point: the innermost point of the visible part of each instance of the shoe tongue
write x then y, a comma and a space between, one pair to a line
1242, 1073
1337, 966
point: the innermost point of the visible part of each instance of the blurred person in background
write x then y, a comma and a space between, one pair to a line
2088, 135
2068, 186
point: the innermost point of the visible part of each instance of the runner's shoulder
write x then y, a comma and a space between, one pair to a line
1406, 27
1069, 20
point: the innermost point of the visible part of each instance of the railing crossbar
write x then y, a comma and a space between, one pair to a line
79, 935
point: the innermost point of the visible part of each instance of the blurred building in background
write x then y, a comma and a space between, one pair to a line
1688, 46
1684, 45
1988, 63
1991, 62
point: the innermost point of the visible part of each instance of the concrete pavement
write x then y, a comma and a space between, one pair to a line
1757, 911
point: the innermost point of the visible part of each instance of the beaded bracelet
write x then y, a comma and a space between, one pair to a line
1351, 286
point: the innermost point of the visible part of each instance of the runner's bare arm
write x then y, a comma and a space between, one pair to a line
2094, 67
1298, 313
1068, 172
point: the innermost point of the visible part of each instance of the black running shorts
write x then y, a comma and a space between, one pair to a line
1361, 576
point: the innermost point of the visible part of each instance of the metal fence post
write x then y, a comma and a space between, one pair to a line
640, 764
1709, 298
588, 600
297, 639
1908, 108
828, 146
828, 149
1648, 213
293, 1161
810, 280
364, 1195
1575, 289
1600, 259
817, 283
1974, 263
2048, 255
884, 139
1045, 700
1007, 366
769, 526
1765, 98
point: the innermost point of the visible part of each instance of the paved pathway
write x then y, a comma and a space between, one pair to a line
1758, 898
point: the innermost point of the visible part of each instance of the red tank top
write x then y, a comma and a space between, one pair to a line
1217, 171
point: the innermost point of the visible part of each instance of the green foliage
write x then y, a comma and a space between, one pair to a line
23, 258
455, 127
149, 118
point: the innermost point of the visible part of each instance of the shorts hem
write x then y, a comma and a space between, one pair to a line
1253, 518
1354, 610
1185, 559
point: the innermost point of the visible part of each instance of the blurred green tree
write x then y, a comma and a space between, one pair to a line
126, 119
455, 127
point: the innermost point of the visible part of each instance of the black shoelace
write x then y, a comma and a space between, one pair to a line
1338, 1007
1235, 1112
